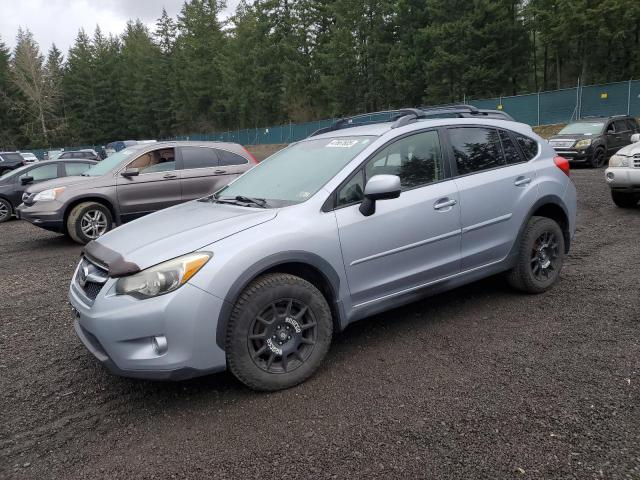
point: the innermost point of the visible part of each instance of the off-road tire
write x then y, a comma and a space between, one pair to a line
522, 276
258, 295
5, 206
74, 220
624, 199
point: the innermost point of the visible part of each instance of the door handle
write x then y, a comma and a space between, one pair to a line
520, 181
170, 175
444, 203
219, 172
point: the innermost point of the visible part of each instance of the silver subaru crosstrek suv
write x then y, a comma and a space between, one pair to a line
352, 221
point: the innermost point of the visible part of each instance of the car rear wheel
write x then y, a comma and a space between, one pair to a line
88, 221
6, 210
598, 158
624, 199
279, 332
540, 256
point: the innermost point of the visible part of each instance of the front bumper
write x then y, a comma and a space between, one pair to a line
119, 331
575, 156
47, 215
623, 178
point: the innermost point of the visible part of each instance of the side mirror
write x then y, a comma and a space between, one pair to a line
26, 180
635, 138
379, 187
131, 172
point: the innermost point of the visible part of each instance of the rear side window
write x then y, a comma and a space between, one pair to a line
476, 149
528, 146
511, 153
633, 125
198, 157
228, 158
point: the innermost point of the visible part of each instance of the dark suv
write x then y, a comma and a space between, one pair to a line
10, 161
592, 140
131, 183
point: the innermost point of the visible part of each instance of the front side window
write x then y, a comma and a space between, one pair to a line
76, 168
352, 191
198, 157
476, 149
39, 174
296, 173
620, 126
416, 159
155, 161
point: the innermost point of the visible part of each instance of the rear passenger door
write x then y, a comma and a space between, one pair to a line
206, 170
496, 186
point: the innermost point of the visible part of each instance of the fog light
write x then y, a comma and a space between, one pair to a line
610, 175
159, 344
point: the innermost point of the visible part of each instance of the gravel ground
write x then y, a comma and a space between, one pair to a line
480, 382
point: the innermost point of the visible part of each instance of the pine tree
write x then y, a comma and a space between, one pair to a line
9, 122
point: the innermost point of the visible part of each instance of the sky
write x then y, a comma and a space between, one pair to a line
58, 21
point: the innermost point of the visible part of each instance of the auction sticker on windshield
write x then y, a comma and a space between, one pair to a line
341, 143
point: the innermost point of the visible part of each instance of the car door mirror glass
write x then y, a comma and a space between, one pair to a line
379, 187
26, 180
131, 172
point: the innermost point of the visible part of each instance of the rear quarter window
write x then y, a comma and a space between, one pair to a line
228, 158
528, 146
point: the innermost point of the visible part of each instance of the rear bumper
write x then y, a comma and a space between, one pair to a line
623, 179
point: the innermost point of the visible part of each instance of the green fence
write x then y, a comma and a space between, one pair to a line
543, 108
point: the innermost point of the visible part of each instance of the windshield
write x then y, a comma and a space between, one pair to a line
109, 163
296, 173
583, 128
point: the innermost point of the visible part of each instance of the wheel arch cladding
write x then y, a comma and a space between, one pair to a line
549, 206
308, 266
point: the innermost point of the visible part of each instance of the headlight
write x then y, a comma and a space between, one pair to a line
48, 195
618, 161
583, 143
163, 278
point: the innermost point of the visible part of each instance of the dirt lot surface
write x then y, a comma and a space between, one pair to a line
481, 382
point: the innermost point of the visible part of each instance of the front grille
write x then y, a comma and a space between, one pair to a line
90, 278
636, 160
562, 143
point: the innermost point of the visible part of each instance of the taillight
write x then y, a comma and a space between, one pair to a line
563, 164
253, 159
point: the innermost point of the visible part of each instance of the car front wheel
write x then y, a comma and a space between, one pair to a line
540, 256
6, 210
598, 159
279, 332
88, 221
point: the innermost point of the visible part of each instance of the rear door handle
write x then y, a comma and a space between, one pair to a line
219, 172
520, 181
444, 203
170, 175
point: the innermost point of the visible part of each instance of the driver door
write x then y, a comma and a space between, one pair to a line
411, 241
156, 186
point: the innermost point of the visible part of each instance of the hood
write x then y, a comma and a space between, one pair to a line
60, 182
172, 232
630, 150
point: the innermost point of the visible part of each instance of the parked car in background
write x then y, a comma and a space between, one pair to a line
343, 225
10, 161
592, 140
116, 146
88, 154
623, 174
131, 183
15, 182
29, 157
52, 154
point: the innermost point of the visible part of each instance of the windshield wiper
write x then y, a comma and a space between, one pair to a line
241, 199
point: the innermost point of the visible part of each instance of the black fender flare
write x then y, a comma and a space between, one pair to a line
542, 201
267, 263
